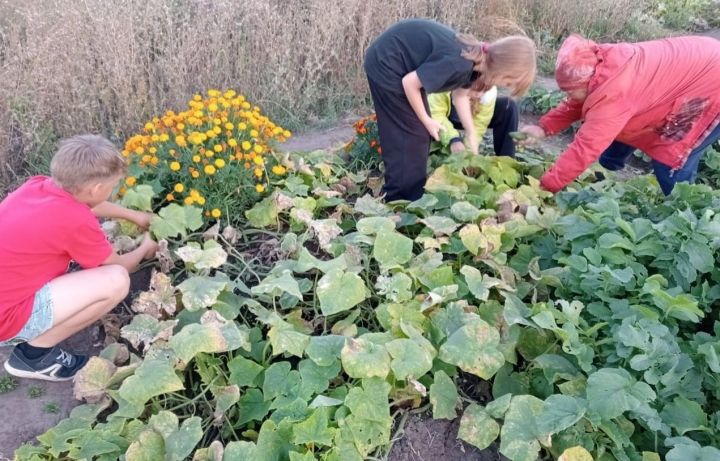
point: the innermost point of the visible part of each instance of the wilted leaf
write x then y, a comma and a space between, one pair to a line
362, 358
576, 454
440, 225
215, 334
519, 434
314, 430
391, 248
152, 378
199, 292
149, 446
209, 257
144, 330
474, 348
409, 359
159, 300
477, 427
264, 213
91, 381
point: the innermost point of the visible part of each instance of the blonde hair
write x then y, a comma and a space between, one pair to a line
81, 160
509, 57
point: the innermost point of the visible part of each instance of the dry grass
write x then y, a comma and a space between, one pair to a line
69, 67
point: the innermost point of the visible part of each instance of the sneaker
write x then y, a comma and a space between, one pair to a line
56, 365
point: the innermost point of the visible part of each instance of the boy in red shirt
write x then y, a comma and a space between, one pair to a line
46, 223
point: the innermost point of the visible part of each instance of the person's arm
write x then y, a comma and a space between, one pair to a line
440, 107
484, 112
130, 260
602, 125
561, 117
461, 101
114, 211
412, 85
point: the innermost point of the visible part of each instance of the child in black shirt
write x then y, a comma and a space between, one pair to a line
417, 56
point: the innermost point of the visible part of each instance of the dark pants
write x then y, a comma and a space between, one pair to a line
405, 144
615, 156
504, 121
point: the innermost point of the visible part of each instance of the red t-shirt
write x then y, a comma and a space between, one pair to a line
42, 228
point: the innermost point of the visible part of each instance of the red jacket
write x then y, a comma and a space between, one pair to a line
662, 97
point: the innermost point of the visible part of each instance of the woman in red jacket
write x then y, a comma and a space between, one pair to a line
661, 96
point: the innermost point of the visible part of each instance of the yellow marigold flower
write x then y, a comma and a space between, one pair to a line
218, 148
201, 201
146, 158
246, 105
232, 142
246, 145
188, 201
217, 130
149, 126
169, 197
194, 193
213, 93
213, 107
125, 153
130, 181
258, 172
175, 166
258, 149
259, 188
180, 141
279, 170
154, 138
287, 134
220, 163
229, 94
259, 161
217, 121
197, 97
215, 213
247, 165
198, 114
242, 126
209, 153
254, 133
229, 126
210, 134
179, 188
122, 191
209, 169
164, 137
154, 161
180, 126
277, 130
140, 150
195, 174
196, 158
153, 150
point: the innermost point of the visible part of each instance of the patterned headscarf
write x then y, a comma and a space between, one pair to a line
575, 63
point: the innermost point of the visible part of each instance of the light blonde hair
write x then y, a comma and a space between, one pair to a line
509, 57
84, 159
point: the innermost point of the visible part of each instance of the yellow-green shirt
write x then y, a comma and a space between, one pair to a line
441, 104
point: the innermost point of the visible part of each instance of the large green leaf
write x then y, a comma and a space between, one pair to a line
275, 285
285, 338
684, 415
243, 371
251, 407
199, 292
179, 441
613, 391
443, 396
314, 430
477, 427
215, 334
152, 378
362, 358
392, 248
325, 350
236, 451
375, 225
480, 285
149, 446
687, 452
465, 211
210, 256
409, 359
369, 421
519, 435
264, 213
440, 225
474, 348
339, 291
139, 198
560, 412
174, 220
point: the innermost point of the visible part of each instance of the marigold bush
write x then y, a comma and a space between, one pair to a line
215, 155
364, 149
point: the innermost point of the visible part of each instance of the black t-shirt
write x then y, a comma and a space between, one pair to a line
427, 47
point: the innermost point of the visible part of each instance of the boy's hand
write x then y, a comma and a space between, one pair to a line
150, 246
471, 144
142, 219
433, 127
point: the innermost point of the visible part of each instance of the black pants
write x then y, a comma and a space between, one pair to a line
504, 121
404, 141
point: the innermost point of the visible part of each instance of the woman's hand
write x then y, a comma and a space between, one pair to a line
534, 131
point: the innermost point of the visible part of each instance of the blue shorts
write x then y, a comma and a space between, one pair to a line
40, 321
